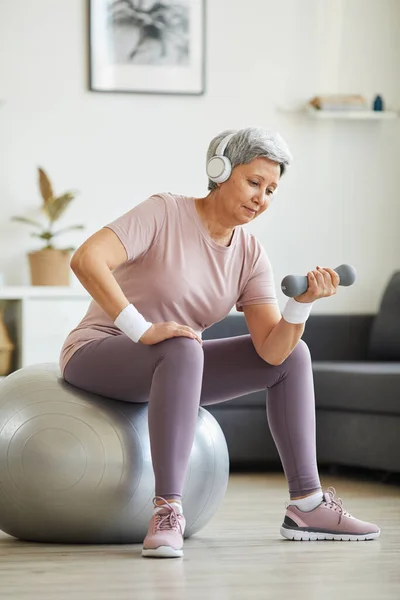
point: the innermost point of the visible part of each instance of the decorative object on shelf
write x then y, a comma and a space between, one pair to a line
378, 103
6, 348
147, 47
50, 265
339, 102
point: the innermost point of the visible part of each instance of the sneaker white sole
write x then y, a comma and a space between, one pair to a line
162, 552
309, 536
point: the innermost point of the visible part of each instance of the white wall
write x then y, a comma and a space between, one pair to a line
340, 201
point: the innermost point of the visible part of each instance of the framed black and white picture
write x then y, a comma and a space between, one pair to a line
146, 46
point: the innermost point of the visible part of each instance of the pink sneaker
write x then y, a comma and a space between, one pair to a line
164, 538
328, 521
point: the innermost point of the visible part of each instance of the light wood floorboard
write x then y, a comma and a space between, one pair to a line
238, 556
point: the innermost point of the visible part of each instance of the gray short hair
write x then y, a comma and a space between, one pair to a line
248, 144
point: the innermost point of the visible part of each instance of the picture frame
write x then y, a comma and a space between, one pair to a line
147, 46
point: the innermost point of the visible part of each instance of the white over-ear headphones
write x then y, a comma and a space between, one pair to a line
219, 166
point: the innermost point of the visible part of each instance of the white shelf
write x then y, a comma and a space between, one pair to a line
354, 115
41, 291
372, 115
39, 318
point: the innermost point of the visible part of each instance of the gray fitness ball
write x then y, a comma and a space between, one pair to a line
76, 468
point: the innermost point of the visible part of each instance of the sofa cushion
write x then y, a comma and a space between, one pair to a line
362, 387
338, 337
385, 335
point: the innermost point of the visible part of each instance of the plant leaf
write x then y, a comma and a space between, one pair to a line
46, 235
72, 227
45, 186
28, 221
57, 206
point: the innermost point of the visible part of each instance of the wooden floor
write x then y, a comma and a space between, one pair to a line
239, 555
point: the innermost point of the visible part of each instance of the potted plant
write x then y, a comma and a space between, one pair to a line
50, 265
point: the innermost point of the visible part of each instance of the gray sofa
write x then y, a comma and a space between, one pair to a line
356, 366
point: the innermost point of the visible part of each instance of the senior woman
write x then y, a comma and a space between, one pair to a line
162, 273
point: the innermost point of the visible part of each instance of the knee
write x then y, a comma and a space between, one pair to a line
184, 352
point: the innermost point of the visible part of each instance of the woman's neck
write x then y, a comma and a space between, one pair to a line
206, 208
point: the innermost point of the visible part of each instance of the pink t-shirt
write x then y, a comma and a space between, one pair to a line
176, 272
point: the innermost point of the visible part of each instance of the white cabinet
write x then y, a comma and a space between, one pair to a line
40, 318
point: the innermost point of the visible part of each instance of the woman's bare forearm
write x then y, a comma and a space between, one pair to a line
281, 341
97, 278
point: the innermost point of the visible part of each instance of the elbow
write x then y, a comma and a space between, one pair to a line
277, 361
274, 362
75, 262
87, 263
81, 260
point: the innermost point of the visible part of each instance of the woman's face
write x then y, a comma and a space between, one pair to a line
248, 191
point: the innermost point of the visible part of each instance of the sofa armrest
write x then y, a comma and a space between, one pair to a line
329, 337
338, 337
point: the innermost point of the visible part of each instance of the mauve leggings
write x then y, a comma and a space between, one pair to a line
177, 375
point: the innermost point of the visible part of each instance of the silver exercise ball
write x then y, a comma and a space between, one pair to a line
76, 467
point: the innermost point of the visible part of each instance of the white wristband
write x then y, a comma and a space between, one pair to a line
297, 312
132, 323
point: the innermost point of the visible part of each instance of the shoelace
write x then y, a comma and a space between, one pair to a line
167, 518
335, 503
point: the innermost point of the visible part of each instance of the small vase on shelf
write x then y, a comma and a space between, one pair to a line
378, 103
